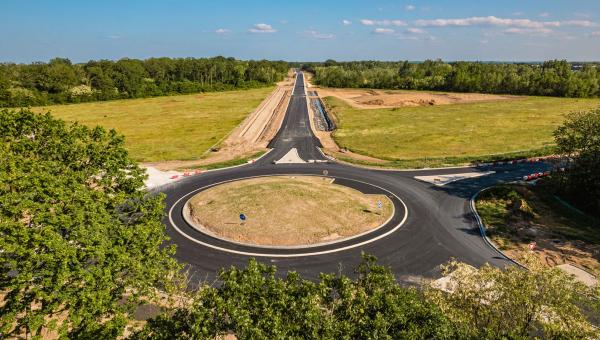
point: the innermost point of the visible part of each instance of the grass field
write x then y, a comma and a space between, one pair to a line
287, 210
167, 128
453, 134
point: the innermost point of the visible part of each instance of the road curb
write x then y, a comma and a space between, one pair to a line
483, 231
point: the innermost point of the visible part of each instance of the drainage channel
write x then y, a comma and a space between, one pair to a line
322, 120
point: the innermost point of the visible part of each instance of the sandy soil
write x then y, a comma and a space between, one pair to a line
552, 248
287, 211
376, 99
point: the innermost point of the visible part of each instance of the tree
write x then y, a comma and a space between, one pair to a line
253, 303
513, 303
579, 139
81, 242
4, 86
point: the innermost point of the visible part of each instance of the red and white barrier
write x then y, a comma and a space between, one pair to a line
536, 176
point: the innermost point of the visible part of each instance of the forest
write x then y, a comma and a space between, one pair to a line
60, 81
557, 78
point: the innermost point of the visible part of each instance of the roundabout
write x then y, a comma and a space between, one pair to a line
181, 224
430, 223
287, 211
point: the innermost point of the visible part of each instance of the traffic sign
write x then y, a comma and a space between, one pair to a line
325, 172
379, 205
242, 217
532, 245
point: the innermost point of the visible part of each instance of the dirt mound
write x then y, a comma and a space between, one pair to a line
369, 98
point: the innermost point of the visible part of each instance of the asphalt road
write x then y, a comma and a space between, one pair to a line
432, 224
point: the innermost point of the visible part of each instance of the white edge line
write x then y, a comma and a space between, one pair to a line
177, 182
304, 246
482, 229
288, 255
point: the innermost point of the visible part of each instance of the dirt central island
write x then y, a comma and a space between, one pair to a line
286, 211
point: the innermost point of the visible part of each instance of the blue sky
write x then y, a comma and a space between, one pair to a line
507, 30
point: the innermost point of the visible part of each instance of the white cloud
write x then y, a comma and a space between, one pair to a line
410, 7
222, 31
318, 35
262, 28
415, 30
517, 14
346, 22
579, 23
416, 38
528, 31
380, 30
369, 22
495, 21
544, 14
595, 34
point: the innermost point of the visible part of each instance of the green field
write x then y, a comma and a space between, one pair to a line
167, 128
453, 134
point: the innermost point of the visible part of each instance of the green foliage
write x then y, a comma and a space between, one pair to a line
80, 240
485, 303
579, 138
552, 78
56, 82
253, 303
512, 303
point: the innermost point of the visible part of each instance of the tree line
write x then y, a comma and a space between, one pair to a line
551, 78
61, 81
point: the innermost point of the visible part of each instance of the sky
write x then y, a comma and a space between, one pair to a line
507, 30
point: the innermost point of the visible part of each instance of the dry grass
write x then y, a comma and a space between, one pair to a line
287, 211
180, 127
456, 133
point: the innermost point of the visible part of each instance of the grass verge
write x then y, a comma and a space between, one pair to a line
226, 164
445, 135
179, 127
515, 215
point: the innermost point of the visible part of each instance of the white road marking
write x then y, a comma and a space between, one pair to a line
286, 255
291, 157
441, 180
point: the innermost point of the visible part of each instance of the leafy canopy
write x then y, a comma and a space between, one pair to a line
80, 240
253, 303
579, 138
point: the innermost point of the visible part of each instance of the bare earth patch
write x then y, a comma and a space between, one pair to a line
529, 214
376, 99
287, 211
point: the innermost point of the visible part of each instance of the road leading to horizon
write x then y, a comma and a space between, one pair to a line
295, 131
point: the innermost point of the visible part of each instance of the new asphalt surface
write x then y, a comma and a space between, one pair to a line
431, 224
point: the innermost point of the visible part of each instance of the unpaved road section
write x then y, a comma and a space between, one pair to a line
287, 211
376, 99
